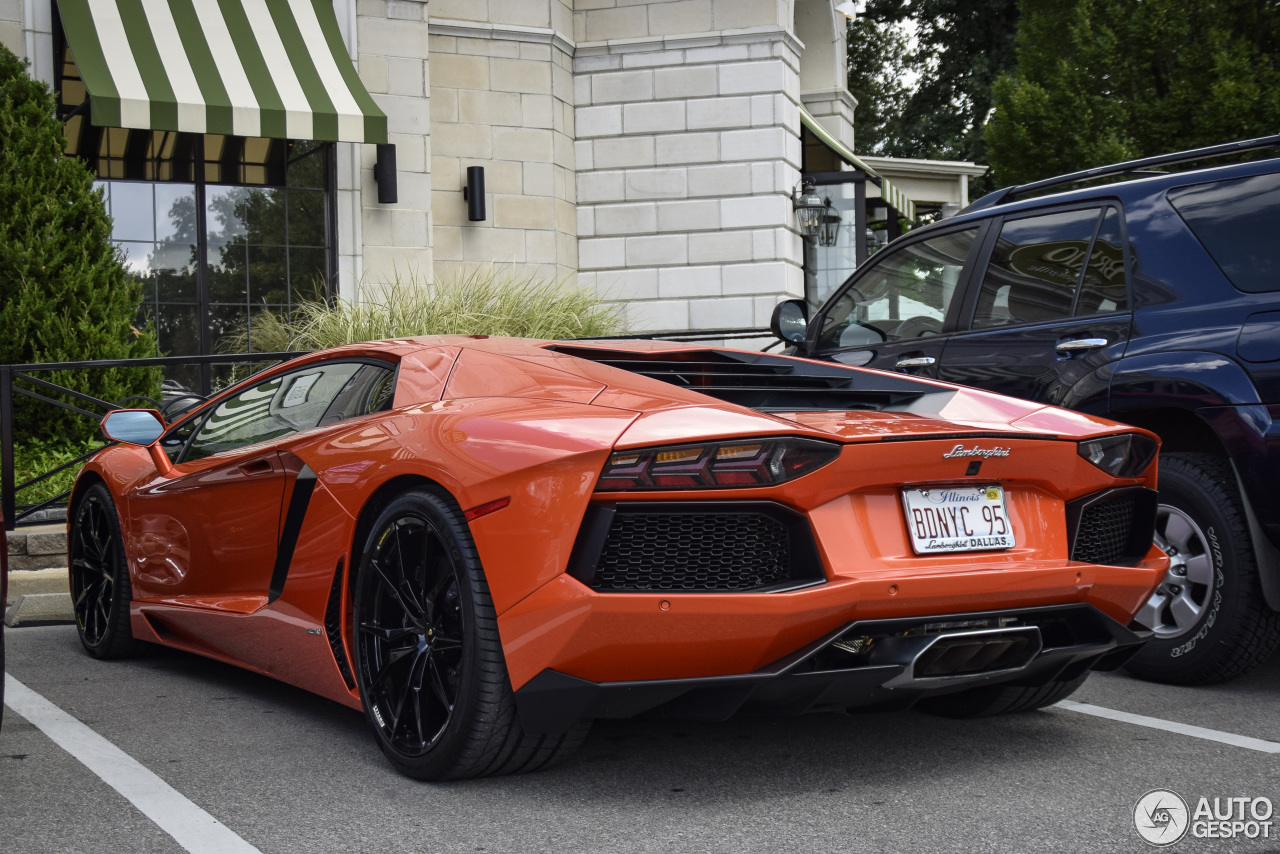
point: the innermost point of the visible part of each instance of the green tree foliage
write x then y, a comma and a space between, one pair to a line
64, 293
878, 70
961, 48
1099, 81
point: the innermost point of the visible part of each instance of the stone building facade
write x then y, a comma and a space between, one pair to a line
647, 149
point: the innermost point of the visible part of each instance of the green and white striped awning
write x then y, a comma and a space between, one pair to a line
268, 68
893, 197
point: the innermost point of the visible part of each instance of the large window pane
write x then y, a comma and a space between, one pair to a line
133, 211
1236, 222
1103, 288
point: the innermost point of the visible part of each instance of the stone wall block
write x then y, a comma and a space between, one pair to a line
736, 313
719, 247
689, 216
626, 219
673, 149
713, 113
653, 118
694, 82
657, 184
602, 253
754, 211
623, 152
598, 121
657, 251
756, 144
723, 180
622, 86
684, 282
601, 187
681, 16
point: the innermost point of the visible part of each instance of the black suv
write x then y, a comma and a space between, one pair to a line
1154, 300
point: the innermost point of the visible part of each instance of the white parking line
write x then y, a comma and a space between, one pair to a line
191, 827
1172, 726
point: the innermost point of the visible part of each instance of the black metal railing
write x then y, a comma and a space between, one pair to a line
19, 380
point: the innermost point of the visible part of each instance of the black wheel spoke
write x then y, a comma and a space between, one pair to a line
389, 635
437, 685
389, 666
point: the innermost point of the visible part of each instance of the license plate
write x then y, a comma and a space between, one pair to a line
957, 519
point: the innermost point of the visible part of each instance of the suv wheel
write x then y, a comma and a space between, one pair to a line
1209, 617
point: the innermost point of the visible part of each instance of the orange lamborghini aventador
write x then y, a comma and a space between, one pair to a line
485, 543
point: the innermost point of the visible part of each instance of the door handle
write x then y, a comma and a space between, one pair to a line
915, 362
255, 467
1079, 345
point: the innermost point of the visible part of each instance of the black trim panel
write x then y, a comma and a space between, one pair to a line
303, 485
823, 677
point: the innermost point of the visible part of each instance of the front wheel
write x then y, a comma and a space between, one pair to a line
429, 662
1210, 620
99, 577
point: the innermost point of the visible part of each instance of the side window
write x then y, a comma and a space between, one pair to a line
905, 295
1103, 288
1036, 267
1236, 222
292, 402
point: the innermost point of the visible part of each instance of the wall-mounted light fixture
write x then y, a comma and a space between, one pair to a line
384, 173
830, 231
473, 192
809, 208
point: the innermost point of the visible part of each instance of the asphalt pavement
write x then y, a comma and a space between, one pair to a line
289, 772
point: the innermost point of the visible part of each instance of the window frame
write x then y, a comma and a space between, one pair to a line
954, 309
201, 415
983, 261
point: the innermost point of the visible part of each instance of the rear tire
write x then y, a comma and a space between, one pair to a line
1210, 618
429, 663
1000, 699
99, 577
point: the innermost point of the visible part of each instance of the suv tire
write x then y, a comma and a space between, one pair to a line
1225, 626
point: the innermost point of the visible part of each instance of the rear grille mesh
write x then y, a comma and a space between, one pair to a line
693, 552
1105, 531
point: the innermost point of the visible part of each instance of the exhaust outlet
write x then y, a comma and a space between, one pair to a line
958, 656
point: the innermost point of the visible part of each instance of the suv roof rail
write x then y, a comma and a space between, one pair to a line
1128, 167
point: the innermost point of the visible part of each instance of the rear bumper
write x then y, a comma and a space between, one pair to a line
888, 672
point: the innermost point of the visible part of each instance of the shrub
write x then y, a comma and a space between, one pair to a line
31, 459
65, 295
484, 301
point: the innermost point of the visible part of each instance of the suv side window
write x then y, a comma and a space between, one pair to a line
292, 402
1236, 222
905, 295
1038, 263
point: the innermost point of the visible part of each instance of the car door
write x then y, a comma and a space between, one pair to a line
208, 534
1049, 310
895, 313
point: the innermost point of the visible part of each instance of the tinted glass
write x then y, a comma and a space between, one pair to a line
1035, 268
1103, 287
905, 295
1236, 222
274, 408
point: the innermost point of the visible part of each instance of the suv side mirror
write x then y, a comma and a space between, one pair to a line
790, 321
140, 427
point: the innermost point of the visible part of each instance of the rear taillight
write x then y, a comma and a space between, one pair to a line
717, 465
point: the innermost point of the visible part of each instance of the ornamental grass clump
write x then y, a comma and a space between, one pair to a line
483, 301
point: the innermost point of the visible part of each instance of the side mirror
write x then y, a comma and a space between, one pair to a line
133, 426
790, 321
141, 427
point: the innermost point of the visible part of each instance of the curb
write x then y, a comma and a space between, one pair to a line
38, 596
40, 608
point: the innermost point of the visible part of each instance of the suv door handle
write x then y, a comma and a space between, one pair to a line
915, 362
1079, 345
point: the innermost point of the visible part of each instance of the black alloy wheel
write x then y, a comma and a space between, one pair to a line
429, 662
410, 634
99, 578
